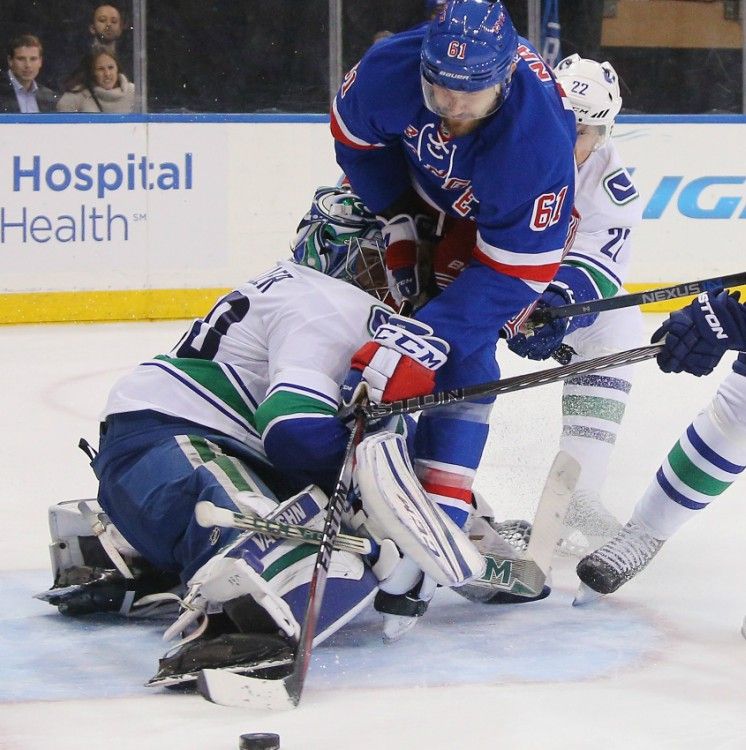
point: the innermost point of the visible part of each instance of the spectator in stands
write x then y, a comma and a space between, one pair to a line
106, 28
19, 90
98, 86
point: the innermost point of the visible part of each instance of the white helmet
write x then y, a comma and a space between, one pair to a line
593, 91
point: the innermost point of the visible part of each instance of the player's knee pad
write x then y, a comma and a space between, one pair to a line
261, 582
395, 507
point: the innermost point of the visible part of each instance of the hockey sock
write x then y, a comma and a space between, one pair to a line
703, 463
592, 409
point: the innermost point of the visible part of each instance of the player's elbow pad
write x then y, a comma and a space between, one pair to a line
306, 444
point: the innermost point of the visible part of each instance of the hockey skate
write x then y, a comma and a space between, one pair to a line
587, 525
616, 562
401, 611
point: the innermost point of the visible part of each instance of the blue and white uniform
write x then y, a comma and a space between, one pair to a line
596, 266
514, 176
254, 381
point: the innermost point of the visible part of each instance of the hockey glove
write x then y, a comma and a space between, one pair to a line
400, 236
543, 341
399, 362
696, 337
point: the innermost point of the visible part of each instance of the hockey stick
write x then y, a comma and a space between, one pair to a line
526, 575
550, 513
208, 514
229, 689
545, 314
509, 385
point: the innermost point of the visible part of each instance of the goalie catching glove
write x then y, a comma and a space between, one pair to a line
399, 362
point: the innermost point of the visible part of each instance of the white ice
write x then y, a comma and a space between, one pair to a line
661, 664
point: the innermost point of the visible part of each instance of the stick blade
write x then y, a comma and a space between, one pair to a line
230, 689
550, 514
585, 595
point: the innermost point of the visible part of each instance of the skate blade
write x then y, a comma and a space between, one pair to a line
230, 689
396, 627
585, 595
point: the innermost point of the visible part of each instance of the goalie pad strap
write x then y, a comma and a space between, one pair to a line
398, 508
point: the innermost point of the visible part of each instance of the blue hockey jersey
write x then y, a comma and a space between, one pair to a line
514, 175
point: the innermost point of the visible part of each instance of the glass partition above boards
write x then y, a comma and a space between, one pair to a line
254, 56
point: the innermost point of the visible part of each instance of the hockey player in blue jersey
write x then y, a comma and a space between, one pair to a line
708, 457
461, 119
595, 265
243, 414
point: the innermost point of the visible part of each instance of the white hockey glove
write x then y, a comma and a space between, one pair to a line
399, 362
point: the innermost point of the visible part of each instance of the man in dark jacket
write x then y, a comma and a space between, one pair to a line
19, 91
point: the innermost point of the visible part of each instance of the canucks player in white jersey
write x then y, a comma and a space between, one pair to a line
594, 267
244, 413
707, 458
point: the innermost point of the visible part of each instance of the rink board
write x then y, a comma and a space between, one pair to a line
146, 216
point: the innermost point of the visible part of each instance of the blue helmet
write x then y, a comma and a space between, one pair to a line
470, 46
340, 237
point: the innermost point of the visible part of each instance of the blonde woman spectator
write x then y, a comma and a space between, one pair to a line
98, 86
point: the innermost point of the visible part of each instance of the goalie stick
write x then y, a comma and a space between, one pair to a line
510, 385
526, 575
228, 689
208, 515
544, 314
550, 513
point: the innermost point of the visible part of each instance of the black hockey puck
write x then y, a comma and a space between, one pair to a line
259, 741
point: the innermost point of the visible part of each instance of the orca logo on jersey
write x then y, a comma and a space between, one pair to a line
619, 187
710, 317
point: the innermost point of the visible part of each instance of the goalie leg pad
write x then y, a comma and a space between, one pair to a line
94, 568
398, 508
257, 569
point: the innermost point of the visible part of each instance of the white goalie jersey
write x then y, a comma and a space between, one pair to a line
609, 208
275, 347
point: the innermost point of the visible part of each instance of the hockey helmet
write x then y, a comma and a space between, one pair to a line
593, 91
469, 47
340, 237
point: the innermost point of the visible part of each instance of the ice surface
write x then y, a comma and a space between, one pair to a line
660, 664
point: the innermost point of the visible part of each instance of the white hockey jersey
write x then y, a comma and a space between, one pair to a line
276, 348
609, 207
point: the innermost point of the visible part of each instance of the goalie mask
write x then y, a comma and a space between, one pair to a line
339, 237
